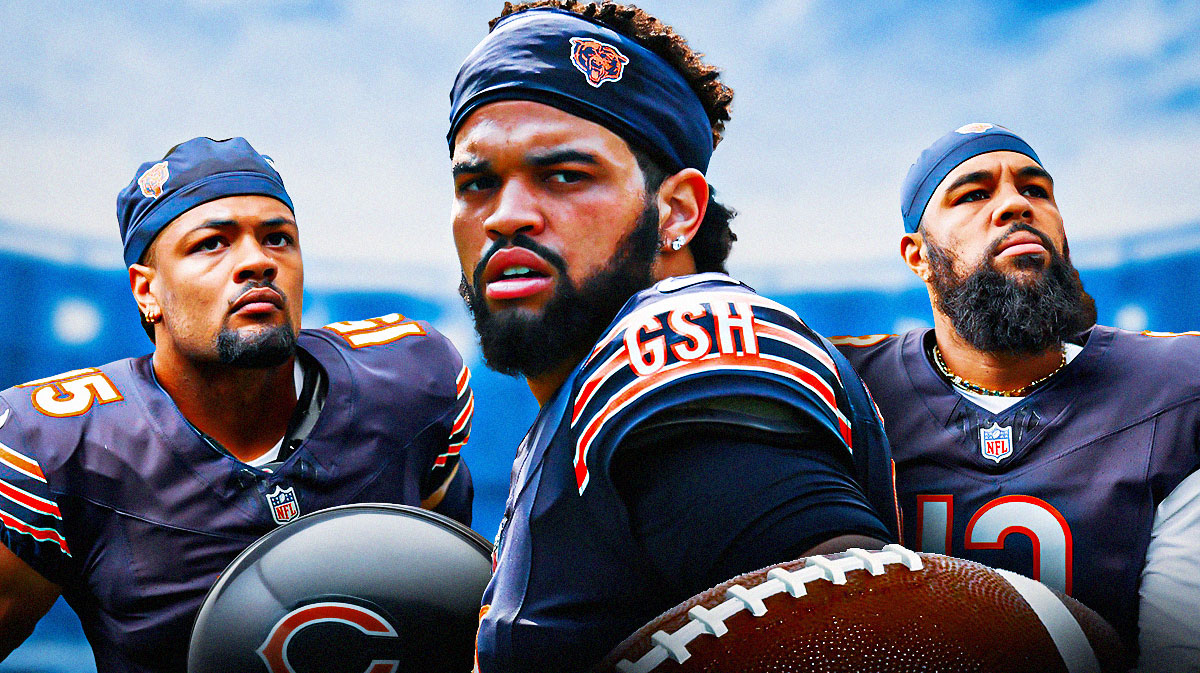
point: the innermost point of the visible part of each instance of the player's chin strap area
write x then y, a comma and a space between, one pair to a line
712, 621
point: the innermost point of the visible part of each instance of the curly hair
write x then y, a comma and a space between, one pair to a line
713, 241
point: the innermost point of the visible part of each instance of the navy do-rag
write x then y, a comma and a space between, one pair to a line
195, 172
946, 154
563, 60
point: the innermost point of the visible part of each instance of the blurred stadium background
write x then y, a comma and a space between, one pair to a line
66, 304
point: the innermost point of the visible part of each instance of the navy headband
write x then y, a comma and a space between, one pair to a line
563, 60
195, 172
946, 154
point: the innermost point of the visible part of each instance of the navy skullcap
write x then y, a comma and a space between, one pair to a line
195, 172
563, 60
946, 154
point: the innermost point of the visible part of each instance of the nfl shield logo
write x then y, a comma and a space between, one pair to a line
996, 442
283, 504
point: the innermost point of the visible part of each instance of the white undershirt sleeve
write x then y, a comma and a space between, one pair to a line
1168, 621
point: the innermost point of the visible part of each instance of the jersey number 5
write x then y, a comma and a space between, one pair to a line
1034, 518
73, 393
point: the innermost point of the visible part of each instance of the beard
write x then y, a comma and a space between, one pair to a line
997, 312
517, 342
263, 348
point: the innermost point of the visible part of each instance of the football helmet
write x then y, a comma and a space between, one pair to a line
353, 589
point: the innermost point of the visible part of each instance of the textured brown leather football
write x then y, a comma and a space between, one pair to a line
889, 611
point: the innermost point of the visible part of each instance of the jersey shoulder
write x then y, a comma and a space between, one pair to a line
50, 416
866, 346
400, 372
693, 343
390, 351
1161, 364
44, 425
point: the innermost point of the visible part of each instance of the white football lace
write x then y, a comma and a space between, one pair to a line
712, 620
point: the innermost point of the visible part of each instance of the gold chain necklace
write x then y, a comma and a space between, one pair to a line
1015, 392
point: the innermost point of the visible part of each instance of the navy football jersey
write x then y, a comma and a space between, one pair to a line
108, 491
572, 579
1064, 485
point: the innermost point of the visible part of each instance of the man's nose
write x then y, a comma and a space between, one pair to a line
1013, 206
517, 212
254, 263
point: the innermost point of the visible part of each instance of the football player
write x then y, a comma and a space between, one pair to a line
1026, 438
128, 487
690, 429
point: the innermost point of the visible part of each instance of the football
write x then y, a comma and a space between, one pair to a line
886, 611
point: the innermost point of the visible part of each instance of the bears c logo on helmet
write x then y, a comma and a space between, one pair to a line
598, 61
274, 650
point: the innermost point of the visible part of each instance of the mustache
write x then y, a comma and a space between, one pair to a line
258, 284
993, 249
517, 241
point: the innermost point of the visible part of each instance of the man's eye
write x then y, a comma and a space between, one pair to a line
208, 244
1036, 191
478, 184
278, 239
974, 195
566, 177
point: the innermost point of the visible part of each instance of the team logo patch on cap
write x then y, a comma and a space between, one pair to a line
974, 128
598, 61
152, 181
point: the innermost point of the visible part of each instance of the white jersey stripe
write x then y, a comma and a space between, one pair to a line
688, 368
28, 500
784, 335
15, 460
1068, 636
40, 534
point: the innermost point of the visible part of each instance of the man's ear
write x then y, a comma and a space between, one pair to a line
682, 201
914, 254
141, 279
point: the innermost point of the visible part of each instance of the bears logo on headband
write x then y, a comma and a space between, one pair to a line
598, 61
974, 128
152, 181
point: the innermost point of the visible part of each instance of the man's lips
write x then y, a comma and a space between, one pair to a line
257, 301
1021, 243
516, 273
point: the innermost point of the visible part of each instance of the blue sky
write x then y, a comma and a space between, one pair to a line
833, 101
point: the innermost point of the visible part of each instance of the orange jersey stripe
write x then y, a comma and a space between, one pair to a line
464, 416
21, 463
39, 534
682, 369
617, 362
787, 336
460, 383
29, 500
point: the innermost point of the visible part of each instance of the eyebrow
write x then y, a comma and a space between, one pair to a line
218, 223
977, 176
463, 167
552, 157
1035, 172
